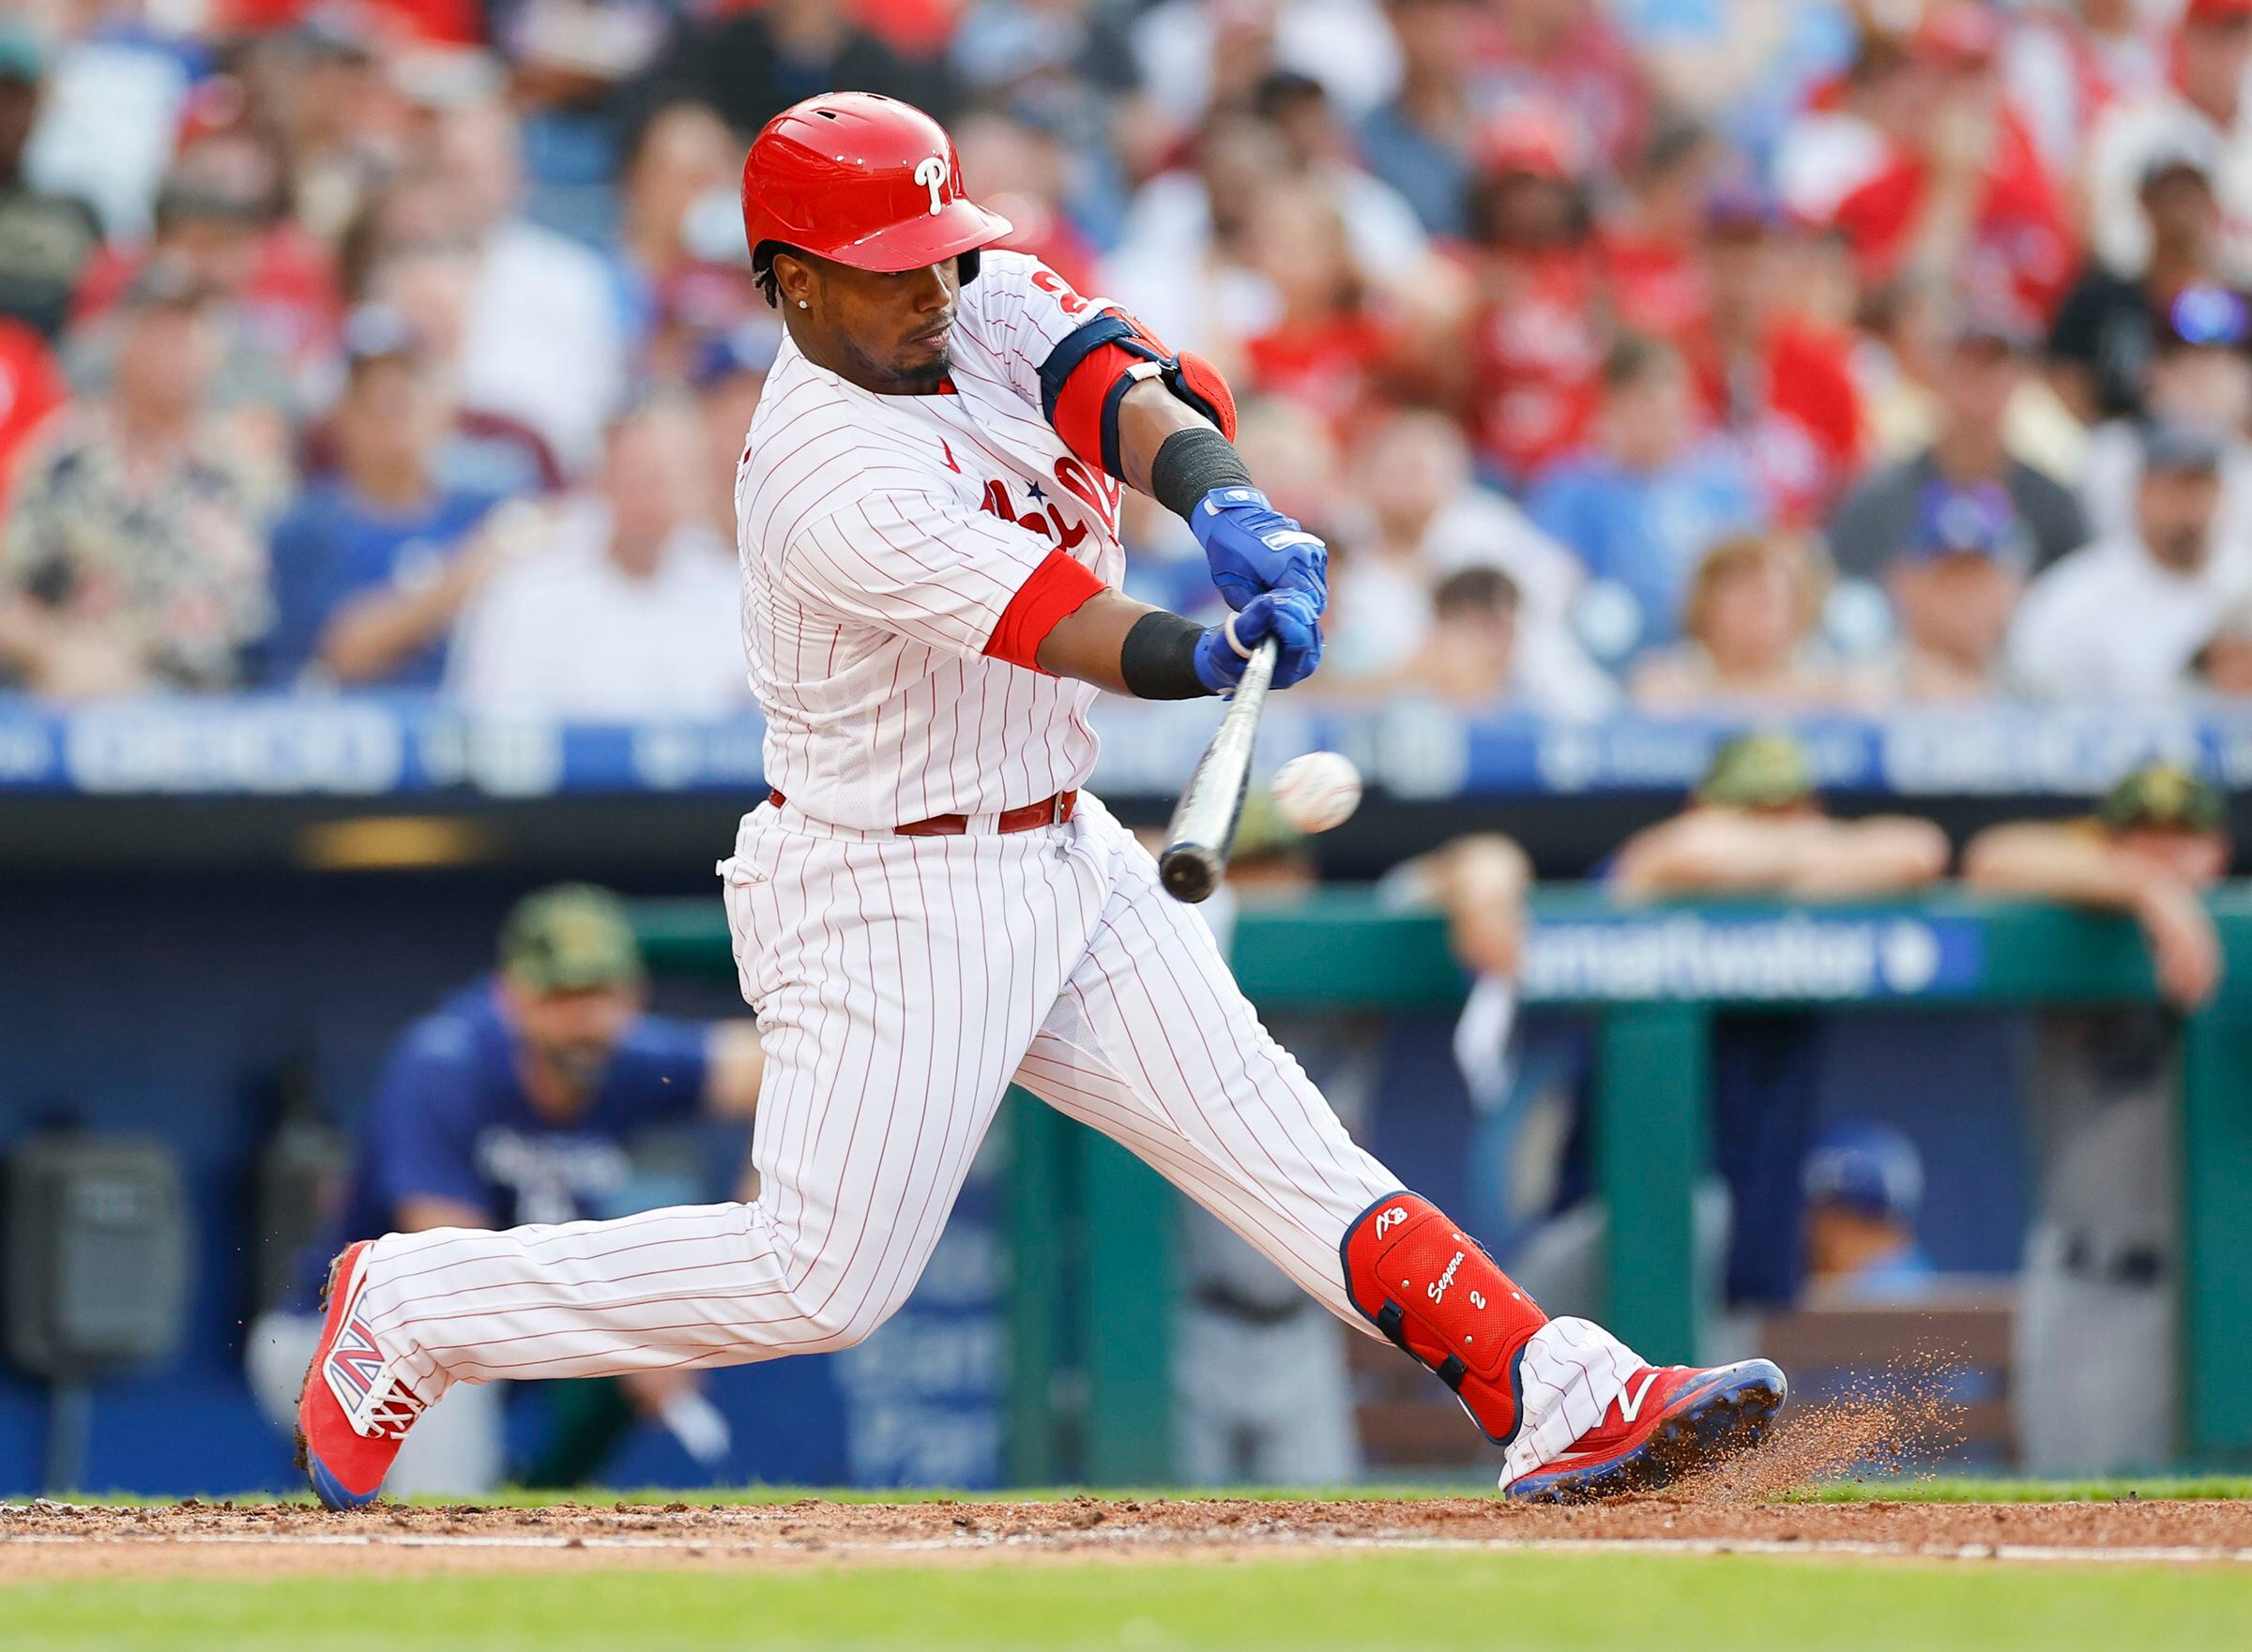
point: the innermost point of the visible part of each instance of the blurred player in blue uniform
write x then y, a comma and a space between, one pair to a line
1864, 1183
519, 1099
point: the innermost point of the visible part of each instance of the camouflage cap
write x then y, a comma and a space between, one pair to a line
570, 937
2164, 795
1768, 770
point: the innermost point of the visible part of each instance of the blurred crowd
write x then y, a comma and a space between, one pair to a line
1768, 353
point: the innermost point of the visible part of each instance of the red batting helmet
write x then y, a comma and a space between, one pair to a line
864, 180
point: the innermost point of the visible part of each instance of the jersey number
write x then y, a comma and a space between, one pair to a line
1053, 285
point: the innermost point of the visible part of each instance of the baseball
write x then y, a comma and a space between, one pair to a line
1317, 792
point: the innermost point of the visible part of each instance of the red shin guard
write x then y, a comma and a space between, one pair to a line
1440, 1298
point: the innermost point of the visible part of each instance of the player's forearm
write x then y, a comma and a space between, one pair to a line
1171, 441
1089, 644
2075, 386
1130, 647
1173, 453
735, 1066
419, 1213
1483, 869
1882, 856
2056, 863
370, 637
1700, 855
25, 628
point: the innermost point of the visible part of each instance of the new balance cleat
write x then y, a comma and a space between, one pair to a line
1665, 1424
353, 1412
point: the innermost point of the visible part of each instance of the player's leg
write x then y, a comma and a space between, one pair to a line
1153, 1044
891, 1030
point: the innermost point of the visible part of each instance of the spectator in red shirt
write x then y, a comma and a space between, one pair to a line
1330, 344
1534, 353
1567, 52
1962, 191
443, 23
1776, 379
1650, 238
2200, 111
221, 214
2070, 65
31, 387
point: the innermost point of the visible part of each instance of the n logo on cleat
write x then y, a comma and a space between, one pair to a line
1630, 1409
354, 1363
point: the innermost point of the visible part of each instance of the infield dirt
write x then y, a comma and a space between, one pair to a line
1739, 1508
48, 1541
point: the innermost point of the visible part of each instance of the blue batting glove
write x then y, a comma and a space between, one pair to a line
1251, 547
1285, 615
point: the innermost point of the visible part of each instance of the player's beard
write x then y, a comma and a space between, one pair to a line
893, 379
926, 380
579, 1064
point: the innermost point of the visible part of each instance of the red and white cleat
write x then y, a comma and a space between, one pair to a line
1666, 1422
353, 1412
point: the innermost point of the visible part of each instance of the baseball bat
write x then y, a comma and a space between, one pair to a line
1204, 822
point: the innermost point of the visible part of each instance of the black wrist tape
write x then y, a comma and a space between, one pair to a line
1189, 465
1159, 659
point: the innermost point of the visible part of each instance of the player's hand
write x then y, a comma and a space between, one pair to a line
650, 1391
2185, 952
1251, 547
1287, 617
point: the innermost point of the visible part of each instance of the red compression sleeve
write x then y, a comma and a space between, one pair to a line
1058, 587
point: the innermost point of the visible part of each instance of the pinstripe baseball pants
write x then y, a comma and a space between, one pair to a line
902, 983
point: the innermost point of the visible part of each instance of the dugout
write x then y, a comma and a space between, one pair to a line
1081, 1208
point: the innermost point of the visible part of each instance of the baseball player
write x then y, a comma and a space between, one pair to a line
928, 907
520, 1099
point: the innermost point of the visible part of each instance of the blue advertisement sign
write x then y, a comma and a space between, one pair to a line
404, 745
1786, 957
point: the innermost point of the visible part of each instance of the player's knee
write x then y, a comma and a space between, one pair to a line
843, 1323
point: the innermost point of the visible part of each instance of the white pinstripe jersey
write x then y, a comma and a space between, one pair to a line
881, 538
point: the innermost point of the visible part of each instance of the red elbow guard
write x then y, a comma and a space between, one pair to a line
1089, 370
1198, 383
1437, 1296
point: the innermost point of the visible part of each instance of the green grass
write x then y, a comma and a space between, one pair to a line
1302, 1603
1527, 1603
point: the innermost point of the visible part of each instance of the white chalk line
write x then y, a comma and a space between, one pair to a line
2140, 1555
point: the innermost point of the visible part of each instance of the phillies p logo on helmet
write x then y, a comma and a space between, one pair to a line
932, 171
